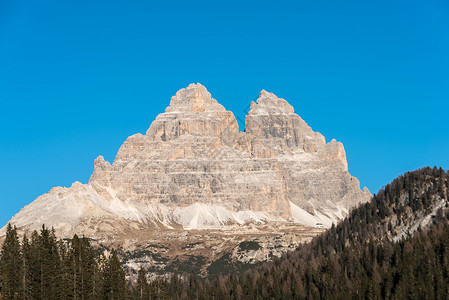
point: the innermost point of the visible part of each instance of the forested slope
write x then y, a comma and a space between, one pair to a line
394, 247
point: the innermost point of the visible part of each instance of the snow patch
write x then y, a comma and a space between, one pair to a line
301, 216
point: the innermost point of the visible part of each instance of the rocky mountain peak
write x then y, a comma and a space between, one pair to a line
193, 112
195, 98
269, 104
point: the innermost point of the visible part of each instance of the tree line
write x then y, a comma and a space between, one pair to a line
357, 259
414, 268
43, 267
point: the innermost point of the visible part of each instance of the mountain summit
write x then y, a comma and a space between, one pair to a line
193, 169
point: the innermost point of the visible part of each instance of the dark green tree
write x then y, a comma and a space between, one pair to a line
31, 254
114, 285
80, 267
11, 265
142, 286
26, 268
50, 266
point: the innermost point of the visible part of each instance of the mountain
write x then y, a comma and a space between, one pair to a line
394, 247
193, 174
366, 256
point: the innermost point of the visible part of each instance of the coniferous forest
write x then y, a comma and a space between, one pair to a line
43, 267
375, 253
358, 258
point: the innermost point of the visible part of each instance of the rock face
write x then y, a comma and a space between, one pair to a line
193, 168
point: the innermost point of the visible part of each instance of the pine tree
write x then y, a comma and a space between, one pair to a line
158, 290
51, 277
11, 265
99, 276
33, 269
87, 267
26, 263
142, 285
114, 286
66, 290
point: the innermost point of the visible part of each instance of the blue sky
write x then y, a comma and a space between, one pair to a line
78, 77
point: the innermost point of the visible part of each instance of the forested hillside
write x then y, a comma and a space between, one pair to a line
394, 247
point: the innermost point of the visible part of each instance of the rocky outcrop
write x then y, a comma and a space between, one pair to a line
193, 168
194, 112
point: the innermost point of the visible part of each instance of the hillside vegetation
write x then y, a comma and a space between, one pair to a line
396, 246
43, 267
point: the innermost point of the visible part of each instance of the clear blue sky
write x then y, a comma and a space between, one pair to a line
78, 77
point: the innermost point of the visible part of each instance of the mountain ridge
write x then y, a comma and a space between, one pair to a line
194, 169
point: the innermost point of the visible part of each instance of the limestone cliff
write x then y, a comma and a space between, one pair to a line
193, 168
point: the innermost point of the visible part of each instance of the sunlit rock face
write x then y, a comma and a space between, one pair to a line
194, 169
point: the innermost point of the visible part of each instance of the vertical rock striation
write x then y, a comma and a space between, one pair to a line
193, 168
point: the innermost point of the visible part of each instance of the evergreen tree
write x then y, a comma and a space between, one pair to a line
158, 290
64, 255
50, 267
80, 267
26, 264
114, 285
101, 263
11, 265
33, 269
87, 269
142, 286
